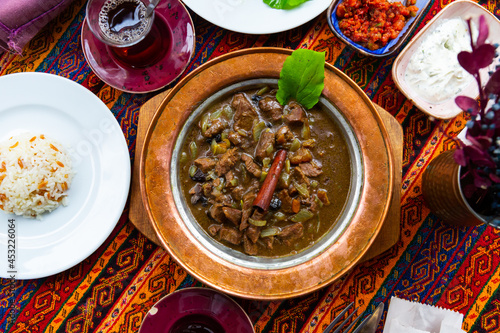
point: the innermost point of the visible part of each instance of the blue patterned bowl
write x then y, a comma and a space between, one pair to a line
392, 46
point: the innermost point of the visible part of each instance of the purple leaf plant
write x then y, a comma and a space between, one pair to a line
480, 158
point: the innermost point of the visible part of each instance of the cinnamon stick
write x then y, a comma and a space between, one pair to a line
265, 194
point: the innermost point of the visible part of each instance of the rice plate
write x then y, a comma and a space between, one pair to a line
35, 175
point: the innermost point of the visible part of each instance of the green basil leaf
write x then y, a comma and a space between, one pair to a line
284, 4
302, 78
277, 4
293, 3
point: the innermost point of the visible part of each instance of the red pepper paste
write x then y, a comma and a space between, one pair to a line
373, 23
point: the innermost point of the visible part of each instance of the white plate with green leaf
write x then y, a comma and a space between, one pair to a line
257, 16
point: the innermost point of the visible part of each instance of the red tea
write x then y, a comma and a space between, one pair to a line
123, 21
148, 51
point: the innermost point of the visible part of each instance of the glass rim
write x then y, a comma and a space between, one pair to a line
98, 33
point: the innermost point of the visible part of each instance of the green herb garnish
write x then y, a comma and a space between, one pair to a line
284, 4
302, 78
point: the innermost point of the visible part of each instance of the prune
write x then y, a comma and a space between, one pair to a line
217, 137
275, 203
256, 98
199, 176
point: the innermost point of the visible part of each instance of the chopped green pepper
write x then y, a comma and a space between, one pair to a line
302, 216
302, 189
193, 148
270, 231
295, 145
257, 223
257, 130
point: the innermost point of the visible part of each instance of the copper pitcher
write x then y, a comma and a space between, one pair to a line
443, 193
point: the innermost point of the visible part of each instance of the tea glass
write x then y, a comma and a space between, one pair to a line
138, 45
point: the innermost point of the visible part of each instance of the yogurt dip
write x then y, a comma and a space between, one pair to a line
433, 70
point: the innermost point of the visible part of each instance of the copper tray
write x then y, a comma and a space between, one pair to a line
387, 237
173, 234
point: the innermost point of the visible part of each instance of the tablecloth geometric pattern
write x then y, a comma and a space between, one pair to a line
112, 290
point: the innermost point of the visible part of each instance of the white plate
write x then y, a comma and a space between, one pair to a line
72, 115
254, 16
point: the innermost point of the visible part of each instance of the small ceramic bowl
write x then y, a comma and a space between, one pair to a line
446, 109
194, 309
392, 46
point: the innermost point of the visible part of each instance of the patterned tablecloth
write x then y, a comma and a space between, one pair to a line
112, 290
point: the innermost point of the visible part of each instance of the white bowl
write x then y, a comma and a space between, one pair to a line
447, 109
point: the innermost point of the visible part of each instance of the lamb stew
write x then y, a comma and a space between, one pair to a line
244, 142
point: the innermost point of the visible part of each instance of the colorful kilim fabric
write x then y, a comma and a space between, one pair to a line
113, 289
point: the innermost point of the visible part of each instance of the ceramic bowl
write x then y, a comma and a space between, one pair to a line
186, 309
250, 276
446, 109
392, 46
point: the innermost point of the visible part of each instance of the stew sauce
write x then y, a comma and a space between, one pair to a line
228, 154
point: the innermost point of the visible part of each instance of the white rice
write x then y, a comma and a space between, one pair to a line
35, 174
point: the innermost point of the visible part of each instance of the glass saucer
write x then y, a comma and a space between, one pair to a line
143, 80
196, 308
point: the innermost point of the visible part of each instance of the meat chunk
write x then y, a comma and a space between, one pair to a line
232, 214
231, 235
244, 113
216, 212
237, 192
224, 200
268, 242
196, 193
258, 214
310, 169
284, 135
239, 140
266, 140
302, 155
254, 186
272, 106
286, 201
216, 127
231, 180
299, 176
251, 166
291, 233
217, 182
236, 138
296, 113
249, 247
253, 233
227, 161
247, 209
207, 189
205, 163
309, 143
214, 229
313, 205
